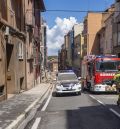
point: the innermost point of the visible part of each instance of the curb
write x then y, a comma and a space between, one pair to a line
22, 117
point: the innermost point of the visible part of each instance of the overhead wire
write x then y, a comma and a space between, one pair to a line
82, 11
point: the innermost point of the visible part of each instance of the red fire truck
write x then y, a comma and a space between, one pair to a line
98, 72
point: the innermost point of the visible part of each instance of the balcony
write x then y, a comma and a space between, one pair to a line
29, 18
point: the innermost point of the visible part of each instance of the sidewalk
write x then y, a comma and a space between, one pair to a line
15, 106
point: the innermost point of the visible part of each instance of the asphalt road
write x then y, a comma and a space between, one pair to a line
78, 112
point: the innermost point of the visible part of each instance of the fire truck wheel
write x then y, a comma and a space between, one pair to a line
118, 103
93, 92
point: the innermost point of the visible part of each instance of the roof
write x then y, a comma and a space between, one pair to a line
52, 57
41, 5
53, 60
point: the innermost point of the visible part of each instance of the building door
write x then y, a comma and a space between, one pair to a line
21, 83
10, 68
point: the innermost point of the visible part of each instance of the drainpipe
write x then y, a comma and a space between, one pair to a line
6, 90
25, 49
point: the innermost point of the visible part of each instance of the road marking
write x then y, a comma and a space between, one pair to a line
112, 110
116, 113
36, 123
92, 97
47, 102
97, 100
100, 102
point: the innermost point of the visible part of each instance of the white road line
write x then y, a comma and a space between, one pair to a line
112, 110
97, 100
37, 121
35, 125
92, 97
100, 102
47, 102
116, 113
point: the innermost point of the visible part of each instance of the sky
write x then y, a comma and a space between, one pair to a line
59, 23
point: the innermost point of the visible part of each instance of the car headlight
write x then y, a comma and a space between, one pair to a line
77, 86
58, 87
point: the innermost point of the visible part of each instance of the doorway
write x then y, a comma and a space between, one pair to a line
10, 68
21, 83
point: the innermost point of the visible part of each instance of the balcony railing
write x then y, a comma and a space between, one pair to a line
29, 18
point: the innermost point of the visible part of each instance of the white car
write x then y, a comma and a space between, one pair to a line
67, 82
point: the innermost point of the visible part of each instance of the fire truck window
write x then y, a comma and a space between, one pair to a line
118, 63
103, 66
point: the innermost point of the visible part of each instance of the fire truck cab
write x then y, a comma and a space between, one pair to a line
98, 72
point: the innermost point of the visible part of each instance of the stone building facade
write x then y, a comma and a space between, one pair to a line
19, 32
12, 45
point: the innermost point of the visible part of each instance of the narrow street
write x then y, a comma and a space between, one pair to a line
51, 48
85, 111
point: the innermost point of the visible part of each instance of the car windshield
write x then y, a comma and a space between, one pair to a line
107, 65
66, 77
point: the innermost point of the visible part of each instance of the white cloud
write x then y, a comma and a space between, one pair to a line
55, 35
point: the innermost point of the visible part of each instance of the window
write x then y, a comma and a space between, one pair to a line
107, 65
119, 38
67, 76
20, 50
106, 44
1, 43
118, 34
115, 39
3, 9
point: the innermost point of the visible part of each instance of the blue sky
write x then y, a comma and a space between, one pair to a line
50, 17
72, 5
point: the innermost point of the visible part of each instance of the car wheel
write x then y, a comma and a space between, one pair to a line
57, 95
78, 93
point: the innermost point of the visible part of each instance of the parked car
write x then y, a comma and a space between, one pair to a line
67, 82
